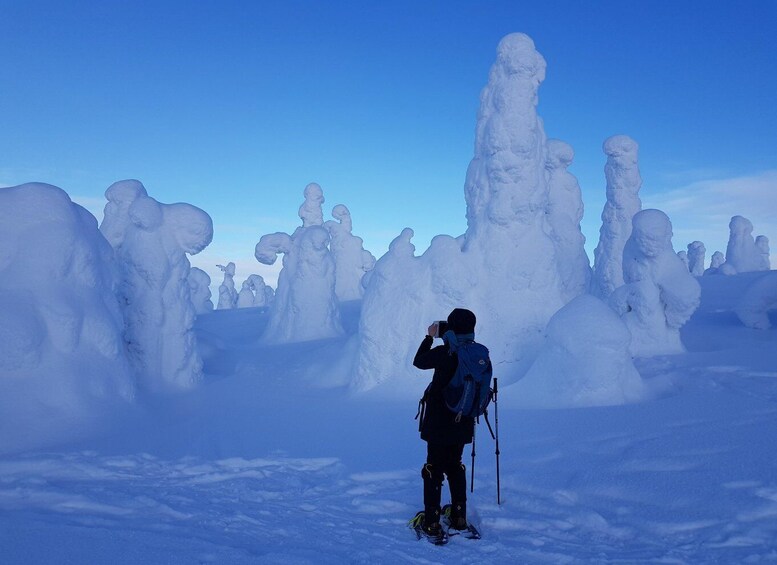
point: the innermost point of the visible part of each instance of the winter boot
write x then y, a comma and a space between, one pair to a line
458, 516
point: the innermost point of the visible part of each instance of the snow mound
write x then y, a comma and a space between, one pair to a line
756, 302
61, 347
583, 361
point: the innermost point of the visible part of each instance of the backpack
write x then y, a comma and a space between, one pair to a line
469, 391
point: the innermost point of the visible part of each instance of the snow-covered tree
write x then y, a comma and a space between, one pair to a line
762, 247
623, 184
58, 309
305, 305
696, 255
505, 267
742, 256
227, 291
351, 259
199, 290
716, 261
565, 211
659, 294
158, 311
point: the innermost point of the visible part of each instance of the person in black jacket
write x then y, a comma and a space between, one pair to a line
444, 436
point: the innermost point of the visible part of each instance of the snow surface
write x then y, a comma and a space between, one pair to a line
271, 460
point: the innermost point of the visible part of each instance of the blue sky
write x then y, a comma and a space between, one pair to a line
235, 106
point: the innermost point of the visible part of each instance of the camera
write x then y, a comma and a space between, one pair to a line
442, 327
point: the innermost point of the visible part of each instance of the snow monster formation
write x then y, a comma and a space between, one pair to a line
696, 254
742, 253
565, 211
512, 267
199, 291
305, 305
659, 294
352, 261
154, 290
227, 292
623, 184
58, 313
716, 261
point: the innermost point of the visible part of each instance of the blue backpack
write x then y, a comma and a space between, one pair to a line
469, 391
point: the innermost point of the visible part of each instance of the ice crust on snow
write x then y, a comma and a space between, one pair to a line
352, 261
583, 361
154, 290
696, 256
659, 294
61, 345
305, 306
623, 184
227, 293
199, 291
506, 267
758, 299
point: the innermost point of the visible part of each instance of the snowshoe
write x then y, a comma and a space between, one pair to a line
434, 533
461, 527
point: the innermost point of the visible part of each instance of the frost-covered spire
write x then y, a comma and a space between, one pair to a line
310, 212
505, 187
351, 259
696, 254
742, 256
623, 184
564, 211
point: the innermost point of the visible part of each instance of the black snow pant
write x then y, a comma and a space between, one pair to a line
443, 461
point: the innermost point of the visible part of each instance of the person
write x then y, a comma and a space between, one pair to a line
445, 436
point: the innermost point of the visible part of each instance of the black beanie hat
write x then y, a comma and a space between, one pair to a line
461, 321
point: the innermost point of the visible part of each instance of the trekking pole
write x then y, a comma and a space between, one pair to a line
472, 467
496, 428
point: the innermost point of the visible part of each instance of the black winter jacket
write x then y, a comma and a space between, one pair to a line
439, 426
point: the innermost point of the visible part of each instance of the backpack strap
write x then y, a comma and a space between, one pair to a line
421, 414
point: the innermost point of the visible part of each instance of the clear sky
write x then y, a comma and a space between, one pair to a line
235, 106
